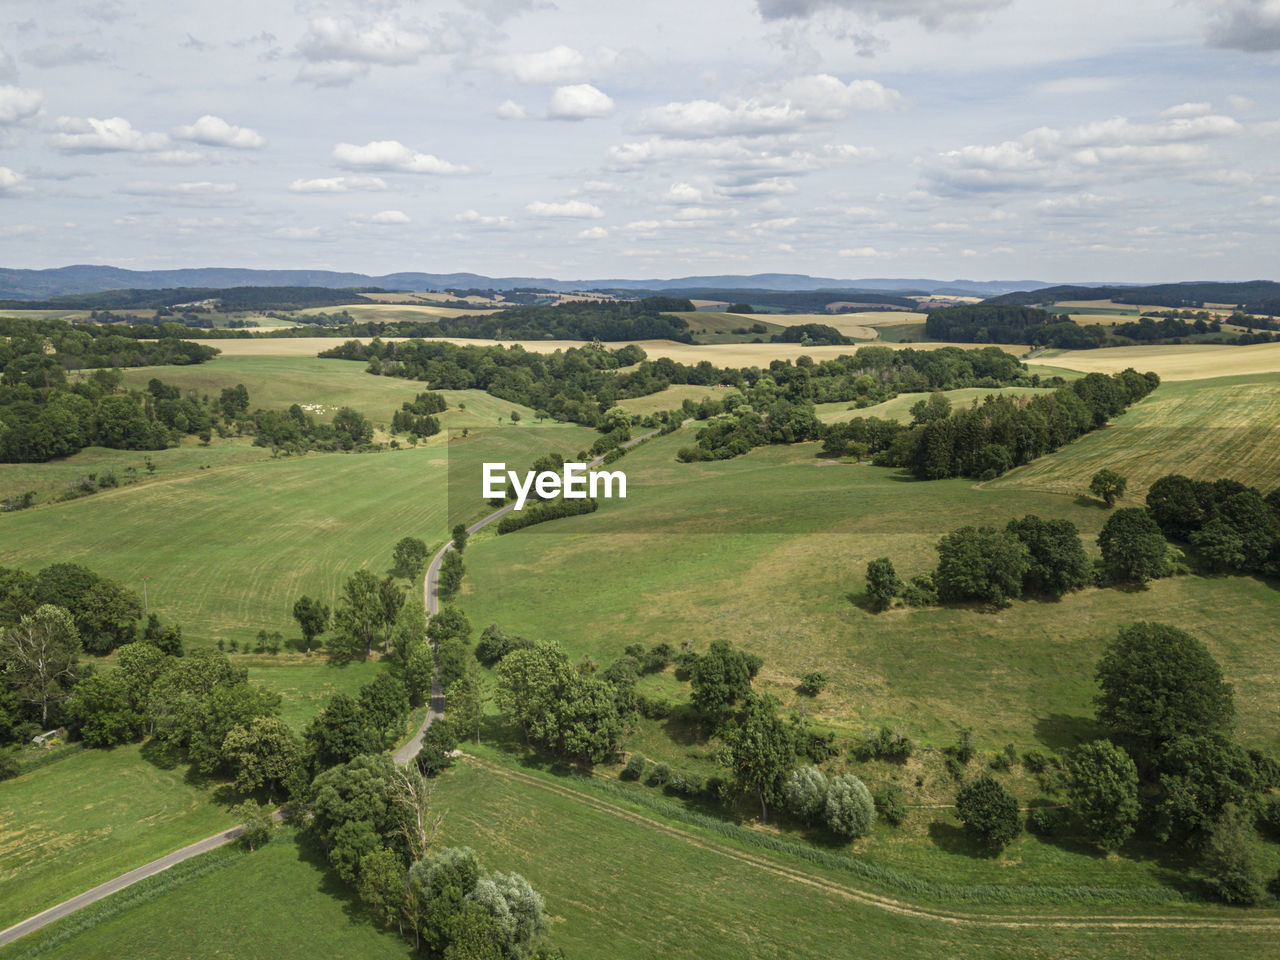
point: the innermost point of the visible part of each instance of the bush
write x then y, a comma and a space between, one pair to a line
1233, 873
989, 812
1005, 759
1133, 547
921, 591
1269, 817
850, 810
653, 708
676, 785
981, 564
10, 766
635, 768
659, 775
892, 804
806, 794
883, 583
892, 746
656, 658
1047, 821
811, 683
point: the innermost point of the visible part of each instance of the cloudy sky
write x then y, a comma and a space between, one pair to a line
1091, 140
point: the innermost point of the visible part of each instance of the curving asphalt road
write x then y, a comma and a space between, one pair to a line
405, 753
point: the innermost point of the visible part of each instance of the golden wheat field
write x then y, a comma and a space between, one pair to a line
1181, 361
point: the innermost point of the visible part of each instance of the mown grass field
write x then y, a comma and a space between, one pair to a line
1223, 427
307, 683
625, 881
71, 825
765, 549
672, 397
390, 312
276, 903
1173, 361
721, 354
228, 550
899, 408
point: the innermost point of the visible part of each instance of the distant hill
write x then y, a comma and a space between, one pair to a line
84, 278
1255, 296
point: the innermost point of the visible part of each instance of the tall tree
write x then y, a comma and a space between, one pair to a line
358, 617
1108, 486
1159, 683
263, 754
409, 557
41, 655
312, 617
762, 750
1133, 547
390, 600
883, 582
1102, 784
466, 697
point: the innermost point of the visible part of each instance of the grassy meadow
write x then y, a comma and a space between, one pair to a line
83, 819
630, 882
765, 551
899, 408
228, 550
1206, 429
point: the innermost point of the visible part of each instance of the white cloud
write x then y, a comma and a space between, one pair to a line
510, 110
1184, 110
1049, 158
216, 132
174, 158
1252, 26
559, 65
1240, 104
825, 97
10, 182
337, 184
299, 233
197, 188
863, 253
570, 209
386, 218
593, 233
393, 155
683, 193
700, 213
18, 104
340, 39
934, 14
580, 101
482, 220
1266, 200
104, 136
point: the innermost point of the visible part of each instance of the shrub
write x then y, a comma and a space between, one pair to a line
635, 768
989, 812
676, 785
1233, 874
806, 794
886, 744
659, 775
1005, 759
850, 810
883, 583
653, 708
921, 591
10, 767
1133, 547
892, 804
811, 683
1047, 821
1103, 787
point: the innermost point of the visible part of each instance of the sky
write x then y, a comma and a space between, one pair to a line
1125, 140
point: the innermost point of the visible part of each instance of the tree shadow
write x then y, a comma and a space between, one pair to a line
1058, 731
160, 755
951, 838
1082, 501
683, 727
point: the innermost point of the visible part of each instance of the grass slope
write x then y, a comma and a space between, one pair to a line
72, 824
229, 550
763, 550
1173, 361
899, 408
1224, 427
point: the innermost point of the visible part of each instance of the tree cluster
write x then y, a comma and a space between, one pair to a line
1233, 527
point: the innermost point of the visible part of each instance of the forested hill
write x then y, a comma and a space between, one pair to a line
646, 319
231, 298
1252, 296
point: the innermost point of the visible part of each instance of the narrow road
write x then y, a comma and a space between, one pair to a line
405, 753
431, 601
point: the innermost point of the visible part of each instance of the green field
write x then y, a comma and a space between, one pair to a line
899, 408
275, 903
1224, 427
763, 550
278, 382
228, 550
672, 397
631, 882
306, 684
72, 824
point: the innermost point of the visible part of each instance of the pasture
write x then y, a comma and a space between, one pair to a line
390, 312
672, 397
765, 550
228, 550
74, 823
899, 408
1206, 429
1179, 361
